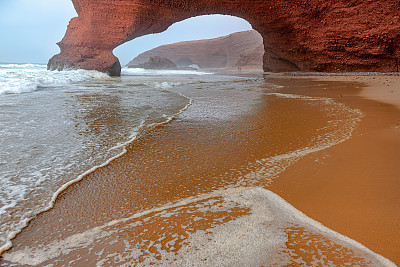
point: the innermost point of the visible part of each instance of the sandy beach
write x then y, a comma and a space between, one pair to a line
200, 133
219, 145
382, 88
354, 187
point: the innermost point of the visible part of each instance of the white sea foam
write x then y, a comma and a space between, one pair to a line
16, 78
17, 194
144, 72
21, 66
163, 85
45, 137
255, 238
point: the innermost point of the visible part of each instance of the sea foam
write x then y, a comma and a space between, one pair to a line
25, 78
143, 72
243, 227
47, 141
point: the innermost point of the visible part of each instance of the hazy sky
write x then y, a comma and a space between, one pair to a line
30, 29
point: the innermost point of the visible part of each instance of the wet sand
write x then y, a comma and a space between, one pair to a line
354, 187
351, 188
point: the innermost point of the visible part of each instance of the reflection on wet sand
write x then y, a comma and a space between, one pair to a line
184, 191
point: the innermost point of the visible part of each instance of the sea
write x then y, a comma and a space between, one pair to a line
57, 128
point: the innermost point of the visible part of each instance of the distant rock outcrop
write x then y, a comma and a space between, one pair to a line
156, 63
241, 49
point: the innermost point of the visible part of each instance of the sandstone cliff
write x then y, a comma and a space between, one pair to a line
241, 49
306, 35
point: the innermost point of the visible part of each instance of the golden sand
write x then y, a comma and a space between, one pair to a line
354, 187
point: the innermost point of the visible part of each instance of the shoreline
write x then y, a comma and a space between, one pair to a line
353, 187
6, 247
379, 87
287, 189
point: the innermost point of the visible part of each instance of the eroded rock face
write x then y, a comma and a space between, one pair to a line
241, 49
306, 35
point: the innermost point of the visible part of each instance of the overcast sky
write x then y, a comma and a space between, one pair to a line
30, 29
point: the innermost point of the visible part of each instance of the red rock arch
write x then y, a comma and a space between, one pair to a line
306, 35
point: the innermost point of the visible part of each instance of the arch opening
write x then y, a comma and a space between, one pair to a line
205, 42
89, 46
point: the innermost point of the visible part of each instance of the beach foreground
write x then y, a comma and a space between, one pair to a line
354, 186
206, 187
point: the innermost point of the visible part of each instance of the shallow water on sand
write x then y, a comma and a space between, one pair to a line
192, 188
55, 126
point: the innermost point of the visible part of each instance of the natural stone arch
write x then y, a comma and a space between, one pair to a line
306, 35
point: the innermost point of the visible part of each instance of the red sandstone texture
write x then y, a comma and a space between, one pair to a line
241, 49
298, 35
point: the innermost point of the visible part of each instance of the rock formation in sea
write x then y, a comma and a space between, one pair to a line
157, 63
305, 35
241, 49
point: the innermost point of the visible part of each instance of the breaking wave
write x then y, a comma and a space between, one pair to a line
25, 78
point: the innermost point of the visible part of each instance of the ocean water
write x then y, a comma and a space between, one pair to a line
56, 127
